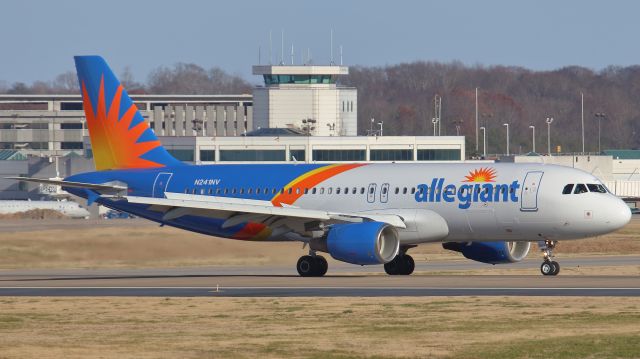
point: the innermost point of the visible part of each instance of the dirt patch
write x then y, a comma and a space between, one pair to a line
434, 327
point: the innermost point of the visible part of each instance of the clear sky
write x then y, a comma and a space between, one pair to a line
39, 38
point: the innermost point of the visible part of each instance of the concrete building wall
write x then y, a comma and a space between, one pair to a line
286, 107
46, 125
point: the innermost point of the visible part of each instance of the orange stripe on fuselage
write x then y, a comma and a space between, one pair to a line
310, 180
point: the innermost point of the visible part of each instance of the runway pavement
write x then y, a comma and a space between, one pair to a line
342, 280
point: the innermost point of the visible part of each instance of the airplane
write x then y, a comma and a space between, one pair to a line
359, 213
67, 208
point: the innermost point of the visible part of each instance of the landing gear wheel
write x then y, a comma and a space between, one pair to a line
393, 267
547, 268
312, 266
402, 264
409, 265
322, 266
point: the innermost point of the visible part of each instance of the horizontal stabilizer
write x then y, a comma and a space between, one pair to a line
102, 188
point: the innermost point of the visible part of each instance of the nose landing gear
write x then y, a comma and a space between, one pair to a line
548, 266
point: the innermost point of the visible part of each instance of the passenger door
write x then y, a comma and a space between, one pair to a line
160, 184
529, 194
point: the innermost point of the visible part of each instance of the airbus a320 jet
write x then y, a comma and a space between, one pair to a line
359, 213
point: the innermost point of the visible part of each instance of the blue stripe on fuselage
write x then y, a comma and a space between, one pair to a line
140, 182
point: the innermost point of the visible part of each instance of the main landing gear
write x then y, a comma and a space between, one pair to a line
312, 265
402, 264
548, 266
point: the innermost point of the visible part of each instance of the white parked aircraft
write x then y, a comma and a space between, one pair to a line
67, 208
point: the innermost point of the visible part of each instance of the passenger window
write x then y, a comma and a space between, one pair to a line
330, 190
298, 190
346, 190
321, 190
186, 190
397, 190
249, 190
338, 190
241, 191
273, 191
580, 188
218, 190
233, 191
290, 190
404, 190
226, 191
313, 191
567, 189
361, 190
201, 190
306, 190
193, 191
354, 190
413, 190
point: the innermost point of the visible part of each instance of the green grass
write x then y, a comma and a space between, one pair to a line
587, 346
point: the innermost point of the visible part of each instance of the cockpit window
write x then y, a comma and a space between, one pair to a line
594, 187
567, 189
580, 188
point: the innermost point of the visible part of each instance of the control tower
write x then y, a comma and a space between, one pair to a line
305, 97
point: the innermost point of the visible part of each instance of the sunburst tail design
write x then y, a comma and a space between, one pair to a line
120, 138
481, 175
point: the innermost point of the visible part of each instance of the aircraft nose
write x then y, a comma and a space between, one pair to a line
620, 215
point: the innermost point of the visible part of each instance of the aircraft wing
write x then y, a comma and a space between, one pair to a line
242, 210
102, 188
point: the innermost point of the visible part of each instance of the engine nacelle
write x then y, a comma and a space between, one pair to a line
491, 252
363, 243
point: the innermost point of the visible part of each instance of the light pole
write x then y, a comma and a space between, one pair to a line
435, 124
484, 141
380, 124
600, 116
507, 126
549, 120
533, 128
458, 124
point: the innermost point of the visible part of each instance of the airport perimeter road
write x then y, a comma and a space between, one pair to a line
341, 281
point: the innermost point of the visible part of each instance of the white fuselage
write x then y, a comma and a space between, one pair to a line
533, 207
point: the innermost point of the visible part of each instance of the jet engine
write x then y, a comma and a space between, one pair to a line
491, 252
360, 243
